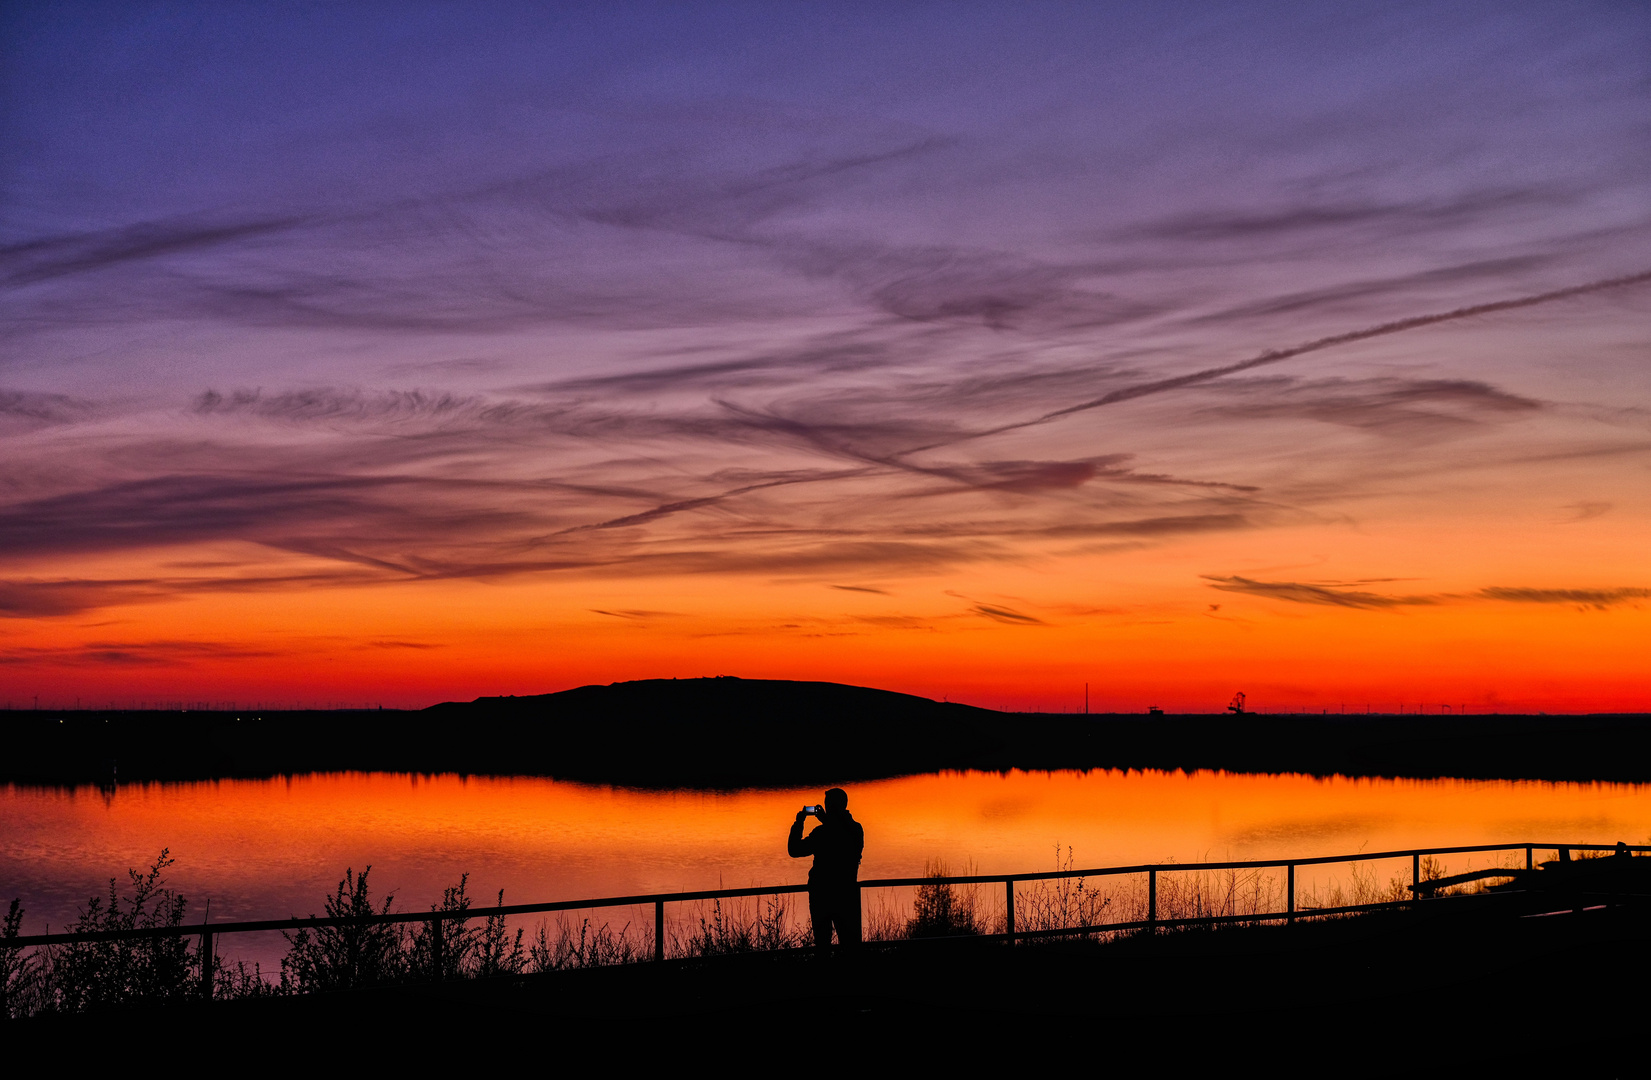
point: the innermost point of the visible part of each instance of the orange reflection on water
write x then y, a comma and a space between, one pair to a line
268, 848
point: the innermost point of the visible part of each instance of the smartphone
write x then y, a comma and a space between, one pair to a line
815, 810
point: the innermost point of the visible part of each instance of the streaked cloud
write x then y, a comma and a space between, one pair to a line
1007, 615
1344, 595
22, 411
1587, 511
1302, 592
43, 257
140, 653
1400, 408
1590, 598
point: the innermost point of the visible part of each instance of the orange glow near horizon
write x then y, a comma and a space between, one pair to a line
1184, 648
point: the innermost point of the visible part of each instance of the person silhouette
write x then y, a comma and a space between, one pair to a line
833, 881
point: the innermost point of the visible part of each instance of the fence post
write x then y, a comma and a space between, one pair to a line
659, 929
1530, 863
1009, 907
435, 946
1416, 876
1152, 901
206, 963
1290, 894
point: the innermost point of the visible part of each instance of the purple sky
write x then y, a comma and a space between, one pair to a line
369, 296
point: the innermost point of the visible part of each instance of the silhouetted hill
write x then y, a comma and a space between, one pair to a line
728, 732
720, 732
737, 732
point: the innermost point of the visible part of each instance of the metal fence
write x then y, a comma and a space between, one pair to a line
208, 932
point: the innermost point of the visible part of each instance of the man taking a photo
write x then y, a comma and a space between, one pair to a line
833, 882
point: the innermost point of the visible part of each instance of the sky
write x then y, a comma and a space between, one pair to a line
405, 353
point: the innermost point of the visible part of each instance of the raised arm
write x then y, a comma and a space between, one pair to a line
797, 845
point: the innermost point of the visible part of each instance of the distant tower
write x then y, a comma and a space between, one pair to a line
1236, 706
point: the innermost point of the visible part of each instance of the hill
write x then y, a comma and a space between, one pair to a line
730, 732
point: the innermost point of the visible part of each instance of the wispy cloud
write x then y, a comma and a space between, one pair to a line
44, 257
1007, 615
1311, 220
1301, 592
639, 614
1335, 594
1401, 408
45, 598
321, 404
1592, 598
140, 653
25, 411
1178, 525
36, 599
1274, 356
1587, 511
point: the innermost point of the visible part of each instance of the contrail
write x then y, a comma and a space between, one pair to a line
667, 509
1273, 356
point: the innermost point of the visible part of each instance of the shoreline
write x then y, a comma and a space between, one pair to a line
102, 748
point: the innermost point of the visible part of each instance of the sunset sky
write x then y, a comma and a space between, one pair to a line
410, 353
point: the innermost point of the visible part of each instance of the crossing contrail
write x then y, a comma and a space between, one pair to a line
1273, 356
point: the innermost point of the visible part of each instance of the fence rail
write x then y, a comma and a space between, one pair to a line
207, 931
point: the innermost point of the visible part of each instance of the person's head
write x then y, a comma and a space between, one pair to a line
836, 801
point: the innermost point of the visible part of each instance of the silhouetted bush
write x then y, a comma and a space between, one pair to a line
348, 956
464, 952
942, 909
88, 975
20, 972
454, 941
495, 952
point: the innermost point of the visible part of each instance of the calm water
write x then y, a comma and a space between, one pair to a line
272, 848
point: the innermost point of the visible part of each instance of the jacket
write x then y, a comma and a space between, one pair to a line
836, 844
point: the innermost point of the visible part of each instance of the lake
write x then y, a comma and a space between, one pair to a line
274, 848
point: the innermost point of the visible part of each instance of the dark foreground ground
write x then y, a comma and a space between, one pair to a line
733, 733
1458, 985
